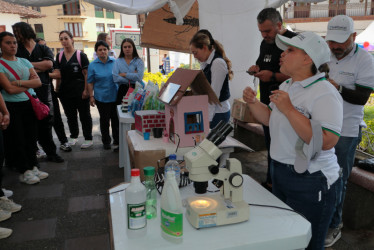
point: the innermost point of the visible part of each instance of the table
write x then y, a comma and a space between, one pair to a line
146, 152
267, 228
125, 121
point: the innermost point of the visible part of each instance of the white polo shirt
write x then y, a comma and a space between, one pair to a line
317, 99
356, 68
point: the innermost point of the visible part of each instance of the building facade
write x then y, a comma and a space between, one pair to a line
314, 16
85, 21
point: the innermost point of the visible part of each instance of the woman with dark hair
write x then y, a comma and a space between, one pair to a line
128, 68
20, 136
103, 93
305, 117
217, 69
73, 89
106, 38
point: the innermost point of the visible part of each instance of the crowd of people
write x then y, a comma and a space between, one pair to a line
312, 93
27, 70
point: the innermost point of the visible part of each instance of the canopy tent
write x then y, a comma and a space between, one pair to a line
233, 23
366, 37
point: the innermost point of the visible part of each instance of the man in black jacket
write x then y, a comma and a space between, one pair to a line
41, 57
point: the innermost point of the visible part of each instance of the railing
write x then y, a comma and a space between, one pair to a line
61, 12
325, 10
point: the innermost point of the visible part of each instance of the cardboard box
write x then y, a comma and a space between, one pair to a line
241, 112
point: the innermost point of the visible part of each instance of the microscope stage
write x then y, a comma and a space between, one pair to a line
213, 210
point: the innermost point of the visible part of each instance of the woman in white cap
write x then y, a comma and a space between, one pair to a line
305, 119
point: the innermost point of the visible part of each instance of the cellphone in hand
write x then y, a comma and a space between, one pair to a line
251, 72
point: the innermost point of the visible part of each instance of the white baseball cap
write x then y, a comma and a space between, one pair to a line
314, 45
339, 28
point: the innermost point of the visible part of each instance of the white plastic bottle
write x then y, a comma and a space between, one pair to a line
136, 195
173, 164
171, 210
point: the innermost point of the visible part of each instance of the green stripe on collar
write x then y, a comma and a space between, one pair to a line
319, 79
356, 49
270, 108
366, 87
331, 131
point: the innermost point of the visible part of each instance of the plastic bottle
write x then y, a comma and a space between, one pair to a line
135, 195
173, 164
151, 202
171, 210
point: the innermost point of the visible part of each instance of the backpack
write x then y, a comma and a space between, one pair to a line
78, 57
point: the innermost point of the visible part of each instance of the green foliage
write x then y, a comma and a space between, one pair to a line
187, 66
367, 142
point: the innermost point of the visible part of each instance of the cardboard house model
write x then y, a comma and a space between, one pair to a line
186, 111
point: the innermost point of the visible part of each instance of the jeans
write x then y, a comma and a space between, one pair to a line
308, 194
267, 144
219, 117
345, 151
108, 117
71, 107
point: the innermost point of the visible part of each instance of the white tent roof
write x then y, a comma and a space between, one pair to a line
367, 35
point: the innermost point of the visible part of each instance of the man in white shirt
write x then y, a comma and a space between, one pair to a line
352, 73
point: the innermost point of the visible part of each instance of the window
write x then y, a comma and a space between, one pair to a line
110, 26
75, 29
109, 14
71, 8
39, 30
36, 9
99, 12
193, 122
100, 28
301, 10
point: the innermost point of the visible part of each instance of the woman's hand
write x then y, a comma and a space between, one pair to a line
85, 94
122, 74
282, 100
4, 121
249, 95
92, 101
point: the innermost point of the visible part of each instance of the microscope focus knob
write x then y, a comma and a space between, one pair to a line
236, 180
213, 169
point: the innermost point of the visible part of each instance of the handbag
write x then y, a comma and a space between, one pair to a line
40, 109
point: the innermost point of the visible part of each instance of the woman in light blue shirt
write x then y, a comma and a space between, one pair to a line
128, 68
103, 93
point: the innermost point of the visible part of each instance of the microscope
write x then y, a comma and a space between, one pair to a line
227, 206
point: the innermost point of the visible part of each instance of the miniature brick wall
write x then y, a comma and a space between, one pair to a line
146, 121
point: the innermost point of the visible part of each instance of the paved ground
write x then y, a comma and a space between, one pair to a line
69, 210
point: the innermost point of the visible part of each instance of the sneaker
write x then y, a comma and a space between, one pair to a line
29, 178
107, 146
333, 235
72, 141
55, 158
115, 147
5, 232
65, 147
87, 144
40, 174
4, 215
7, 193
9, 205
40, 154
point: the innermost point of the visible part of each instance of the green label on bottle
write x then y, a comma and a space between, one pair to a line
171, 223
136, 218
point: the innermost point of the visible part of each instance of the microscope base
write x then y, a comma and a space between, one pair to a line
211, 211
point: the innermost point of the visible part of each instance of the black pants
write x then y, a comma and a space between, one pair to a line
58, 124
267, 144
108, 116
71, 107
45, 137
20, 136
1, 163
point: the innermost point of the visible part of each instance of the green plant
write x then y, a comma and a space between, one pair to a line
367, 142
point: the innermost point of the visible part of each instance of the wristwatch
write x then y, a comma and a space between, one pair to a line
273, 79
